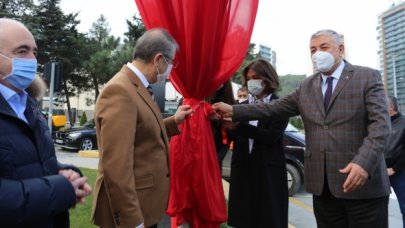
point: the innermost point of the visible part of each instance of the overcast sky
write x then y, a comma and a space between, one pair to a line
283, 25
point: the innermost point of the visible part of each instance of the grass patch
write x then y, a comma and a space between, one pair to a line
80, 216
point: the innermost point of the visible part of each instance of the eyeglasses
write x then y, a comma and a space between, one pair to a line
171, 61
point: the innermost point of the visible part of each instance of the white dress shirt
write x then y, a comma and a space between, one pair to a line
17, 101
336, 75
140, 75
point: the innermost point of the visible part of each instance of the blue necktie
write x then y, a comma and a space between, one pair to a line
328, 92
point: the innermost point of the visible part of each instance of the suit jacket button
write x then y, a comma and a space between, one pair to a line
325, 127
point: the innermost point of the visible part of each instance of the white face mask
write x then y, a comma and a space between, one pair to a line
323, 61
165, 75
240, 100
255, 86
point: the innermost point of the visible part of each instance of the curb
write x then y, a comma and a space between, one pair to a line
88, 153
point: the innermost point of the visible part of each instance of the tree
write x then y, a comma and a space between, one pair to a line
250, 55
58, 39
16, 9
110, 54
289, 83
135, 30
124, 52
100, 30
100, 64
83, 119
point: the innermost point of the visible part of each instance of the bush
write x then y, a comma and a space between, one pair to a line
83, 119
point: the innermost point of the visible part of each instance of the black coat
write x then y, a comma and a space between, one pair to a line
395, 148
258, 195
220, 147
32, 194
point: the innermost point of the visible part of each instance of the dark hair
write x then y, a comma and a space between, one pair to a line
265, 71
154, 41
394, 102
224, 94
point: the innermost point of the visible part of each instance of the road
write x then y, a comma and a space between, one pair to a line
300, 207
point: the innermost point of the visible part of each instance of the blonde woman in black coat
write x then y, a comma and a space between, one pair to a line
258, 195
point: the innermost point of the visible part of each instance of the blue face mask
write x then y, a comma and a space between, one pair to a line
22, 73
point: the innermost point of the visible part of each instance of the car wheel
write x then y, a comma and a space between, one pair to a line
86, 144
293, 179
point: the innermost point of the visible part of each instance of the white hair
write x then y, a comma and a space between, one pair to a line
328, 32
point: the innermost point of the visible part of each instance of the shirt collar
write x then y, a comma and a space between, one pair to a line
6, 92
138, 73
336, 74
10, 95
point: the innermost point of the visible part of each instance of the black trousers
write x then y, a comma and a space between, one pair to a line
333, 212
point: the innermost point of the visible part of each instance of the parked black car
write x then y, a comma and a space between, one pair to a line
78, 138
294, 148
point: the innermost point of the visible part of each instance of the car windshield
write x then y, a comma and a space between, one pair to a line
291, 128
89, 123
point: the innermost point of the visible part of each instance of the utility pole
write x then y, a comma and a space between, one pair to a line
51, 90
394, 56
53, 73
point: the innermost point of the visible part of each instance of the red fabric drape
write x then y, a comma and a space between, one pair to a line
213, 36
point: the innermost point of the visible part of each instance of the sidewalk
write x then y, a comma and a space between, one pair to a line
300, 206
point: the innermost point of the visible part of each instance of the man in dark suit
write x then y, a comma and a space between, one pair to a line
35, 189
394, 154
133, 174
346, 127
